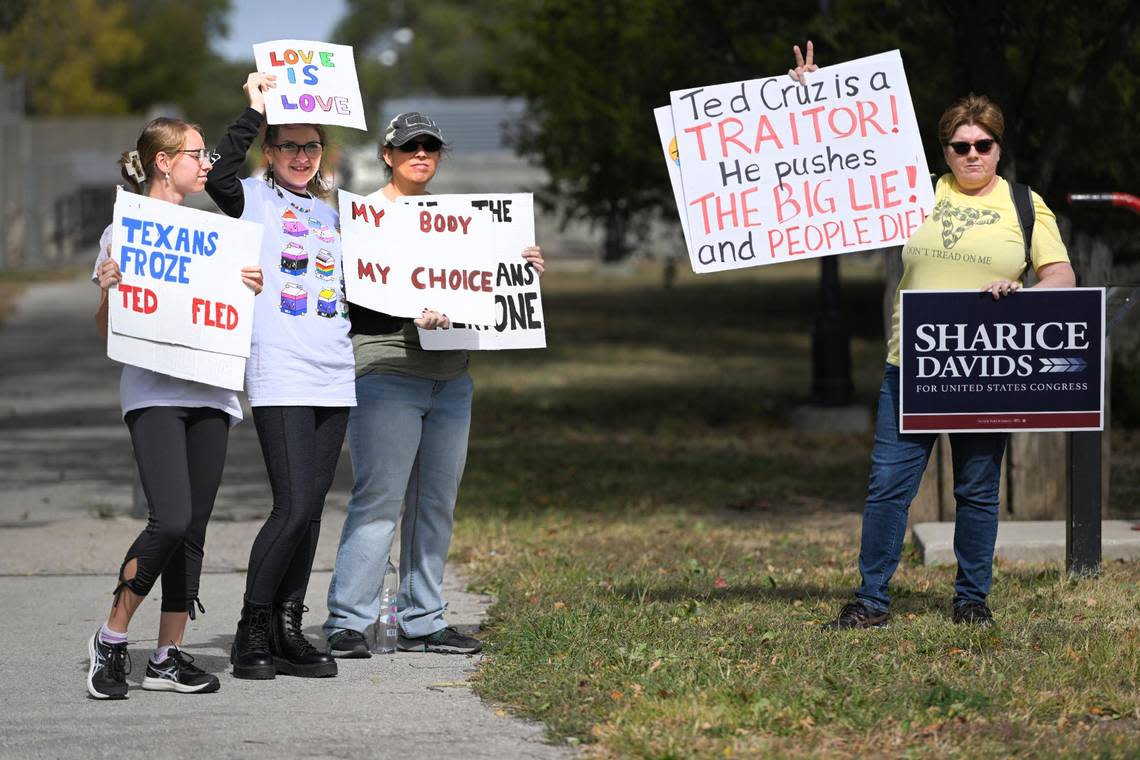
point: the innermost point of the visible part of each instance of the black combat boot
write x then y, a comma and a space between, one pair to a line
292, 652
250, 653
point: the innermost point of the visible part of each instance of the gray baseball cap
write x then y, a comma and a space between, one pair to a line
408, 125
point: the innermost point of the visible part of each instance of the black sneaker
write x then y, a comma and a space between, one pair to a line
857, 615
107, 674
446, 641
179, 673
350, 645
973, 613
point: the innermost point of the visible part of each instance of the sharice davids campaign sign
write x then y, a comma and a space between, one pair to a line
773, 171
1030, 361
316, 83
519, 322
181, 286
401, 259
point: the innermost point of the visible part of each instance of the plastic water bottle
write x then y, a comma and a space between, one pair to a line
385, 631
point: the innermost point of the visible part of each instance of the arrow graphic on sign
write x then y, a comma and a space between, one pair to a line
1063, 365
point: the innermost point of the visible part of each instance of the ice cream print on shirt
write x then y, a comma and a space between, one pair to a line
294, 300
956, 220
294, 259
293, 226
326, 265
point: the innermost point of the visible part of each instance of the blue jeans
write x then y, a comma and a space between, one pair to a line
897, 464
408, 439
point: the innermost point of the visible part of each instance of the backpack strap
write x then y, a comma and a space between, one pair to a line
1022, 198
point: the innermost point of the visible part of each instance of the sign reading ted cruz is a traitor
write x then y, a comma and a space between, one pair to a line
1030, 361
776, 171
181, 286
401, 259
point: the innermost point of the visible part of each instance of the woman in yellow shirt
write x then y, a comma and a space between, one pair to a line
971, 240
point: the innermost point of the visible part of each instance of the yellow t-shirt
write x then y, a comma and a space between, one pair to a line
969, 241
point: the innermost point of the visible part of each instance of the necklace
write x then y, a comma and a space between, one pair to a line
281, 195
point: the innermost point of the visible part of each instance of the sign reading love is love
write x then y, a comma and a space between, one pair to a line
316, 83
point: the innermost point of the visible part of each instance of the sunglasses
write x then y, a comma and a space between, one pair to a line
430, 145
312, 149
982, 146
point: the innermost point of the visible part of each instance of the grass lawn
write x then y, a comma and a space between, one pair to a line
664, 546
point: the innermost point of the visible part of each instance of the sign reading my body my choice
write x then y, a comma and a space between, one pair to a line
776, 171
1031, 361
401, 259
316, 83
518, 300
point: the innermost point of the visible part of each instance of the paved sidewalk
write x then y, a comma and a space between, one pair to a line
64, 525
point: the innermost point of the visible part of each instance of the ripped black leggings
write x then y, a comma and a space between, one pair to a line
180, 453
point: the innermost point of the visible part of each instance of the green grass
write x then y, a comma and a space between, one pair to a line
663, 547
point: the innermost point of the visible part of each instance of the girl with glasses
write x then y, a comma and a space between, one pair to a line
179, 430
408, 438
299, 376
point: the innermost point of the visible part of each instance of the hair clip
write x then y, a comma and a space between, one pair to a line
134, 167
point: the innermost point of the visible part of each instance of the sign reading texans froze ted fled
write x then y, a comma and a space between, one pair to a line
1031, 361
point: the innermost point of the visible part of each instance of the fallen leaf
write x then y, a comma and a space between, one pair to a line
656, 664
720, 583
559, 605
616, 695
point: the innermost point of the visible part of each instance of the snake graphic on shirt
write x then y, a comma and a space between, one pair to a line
956, 220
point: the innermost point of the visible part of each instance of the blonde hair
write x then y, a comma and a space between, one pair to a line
161, 135
972, 109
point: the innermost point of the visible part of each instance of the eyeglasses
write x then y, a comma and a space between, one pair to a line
430, 145
982, 146
312, 149
203, 155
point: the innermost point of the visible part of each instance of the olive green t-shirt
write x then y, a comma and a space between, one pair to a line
400, 353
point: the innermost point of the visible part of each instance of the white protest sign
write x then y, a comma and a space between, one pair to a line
181, 275
776, 171
207, 367
401, 259
664, 118
316, 83
518, 319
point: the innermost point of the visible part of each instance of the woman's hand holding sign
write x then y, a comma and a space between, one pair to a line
253, 278
109, 273
431, 320
533, 256
255, 86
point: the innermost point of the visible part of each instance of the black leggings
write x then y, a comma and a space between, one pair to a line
301, 445
180, 453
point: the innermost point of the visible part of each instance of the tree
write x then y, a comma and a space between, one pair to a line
119, 56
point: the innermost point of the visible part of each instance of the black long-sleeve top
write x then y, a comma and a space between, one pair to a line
222, 182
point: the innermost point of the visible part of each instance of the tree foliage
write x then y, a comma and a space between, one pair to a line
1065, 75
116, 56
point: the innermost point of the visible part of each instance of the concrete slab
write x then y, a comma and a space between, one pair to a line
1029, 541
854, 418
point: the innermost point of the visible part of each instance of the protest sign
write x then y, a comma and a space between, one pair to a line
664, 118
316, 83
222, 370
1031, 361
775, 171
181, 275
518, 301
401, 259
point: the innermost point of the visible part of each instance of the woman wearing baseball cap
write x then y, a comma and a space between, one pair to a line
408, 439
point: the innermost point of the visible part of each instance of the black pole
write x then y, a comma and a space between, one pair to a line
831, 383
1082, 529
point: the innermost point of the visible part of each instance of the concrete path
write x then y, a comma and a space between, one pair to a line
1029, 541
64, 525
